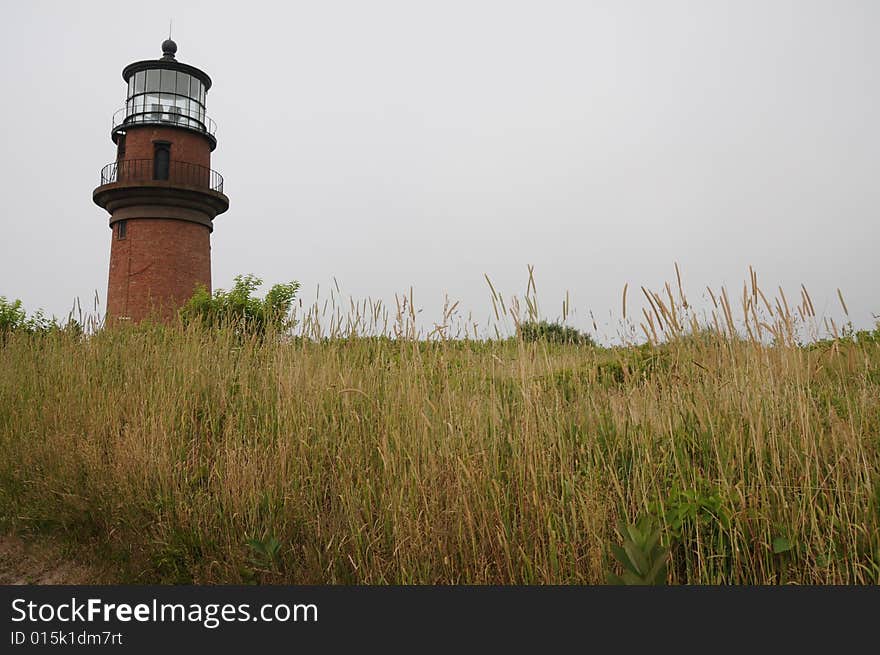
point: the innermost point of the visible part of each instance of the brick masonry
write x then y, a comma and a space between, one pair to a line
186, 145
156, 267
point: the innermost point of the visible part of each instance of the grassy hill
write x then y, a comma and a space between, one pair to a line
192, 454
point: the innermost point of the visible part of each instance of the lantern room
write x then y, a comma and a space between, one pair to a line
165, 92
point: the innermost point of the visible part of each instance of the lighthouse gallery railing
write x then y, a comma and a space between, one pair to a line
178, 172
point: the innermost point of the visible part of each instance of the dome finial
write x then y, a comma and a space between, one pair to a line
169, 49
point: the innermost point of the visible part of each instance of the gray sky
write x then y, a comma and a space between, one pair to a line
392, 144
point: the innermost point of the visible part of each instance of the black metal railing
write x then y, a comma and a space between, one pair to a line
168, 114
149, 170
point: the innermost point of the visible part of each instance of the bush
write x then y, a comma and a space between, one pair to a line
13, 318
240, 308
552, 333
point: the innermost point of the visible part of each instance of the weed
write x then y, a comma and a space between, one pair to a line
641, 555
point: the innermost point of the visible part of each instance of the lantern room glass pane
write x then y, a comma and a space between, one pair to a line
139, 81
166, 100
152, 106
194, 88
183, 84
152, 80
169, 81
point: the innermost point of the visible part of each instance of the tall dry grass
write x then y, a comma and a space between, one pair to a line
391, 459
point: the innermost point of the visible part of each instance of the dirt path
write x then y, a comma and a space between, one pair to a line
23, 562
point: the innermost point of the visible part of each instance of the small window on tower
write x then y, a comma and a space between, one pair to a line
120, 230
120, 147
161, 160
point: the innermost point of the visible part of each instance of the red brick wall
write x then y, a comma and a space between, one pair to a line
156, 267
186, 145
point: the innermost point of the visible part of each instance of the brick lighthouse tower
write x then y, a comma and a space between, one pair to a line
161, 192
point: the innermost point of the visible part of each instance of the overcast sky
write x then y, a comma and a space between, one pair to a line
398, 144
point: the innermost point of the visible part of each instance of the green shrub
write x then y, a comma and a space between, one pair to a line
13, 318
552, 333
240, 308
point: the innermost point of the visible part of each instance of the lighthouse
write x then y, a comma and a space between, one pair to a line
160, 192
